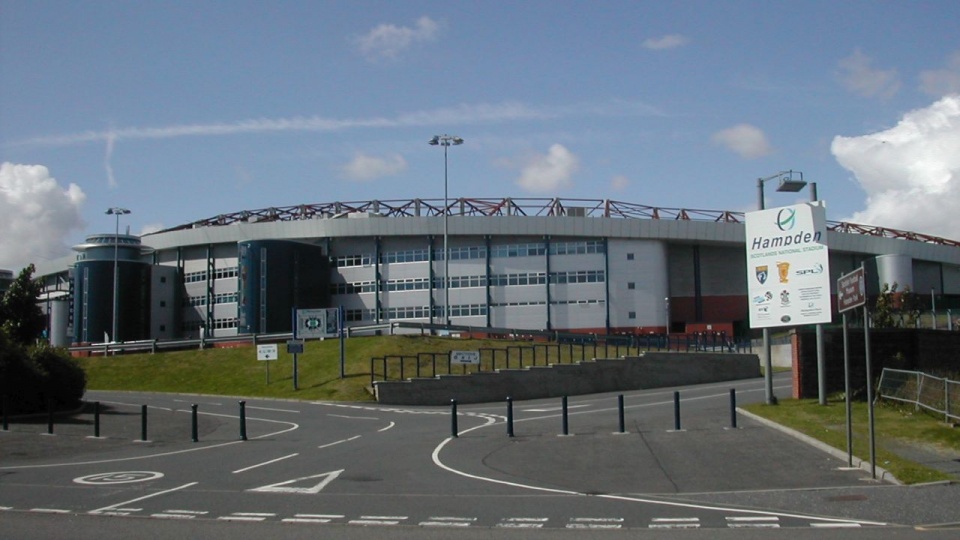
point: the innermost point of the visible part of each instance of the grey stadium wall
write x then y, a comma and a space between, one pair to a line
539, 264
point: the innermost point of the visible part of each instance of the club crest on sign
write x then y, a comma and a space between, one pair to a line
762, 274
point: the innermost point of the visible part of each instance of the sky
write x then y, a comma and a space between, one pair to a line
183, 110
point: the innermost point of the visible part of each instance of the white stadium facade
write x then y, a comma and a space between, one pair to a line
591, 266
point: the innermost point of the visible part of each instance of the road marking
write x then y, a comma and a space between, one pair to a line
274, 410
444, 521
378, 520
352, 417
386, 428
675, 523
523, 523
125, 477
281, 487
555, 409
164, 515
595, 523
756, 522
264, 463
241, 518
313, 518
113, 507
355, 437
835, 525
49, 510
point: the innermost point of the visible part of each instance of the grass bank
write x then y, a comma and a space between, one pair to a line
899, 431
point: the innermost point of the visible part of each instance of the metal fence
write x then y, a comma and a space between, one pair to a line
568, 350
941, 396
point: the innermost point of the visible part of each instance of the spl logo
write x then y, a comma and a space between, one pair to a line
786, 219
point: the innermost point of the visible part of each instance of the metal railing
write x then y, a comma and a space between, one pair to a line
935, 394
569, 349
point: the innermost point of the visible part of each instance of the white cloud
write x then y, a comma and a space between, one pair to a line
389, 40
670, 41
746, 140
364, 168
549, 172
910, 172
36, 214
945, 81
859, 76
619, 183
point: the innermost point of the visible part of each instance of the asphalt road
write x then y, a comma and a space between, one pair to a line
364, 470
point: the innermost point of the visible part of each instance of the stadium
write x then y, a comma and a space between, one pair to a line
571, 265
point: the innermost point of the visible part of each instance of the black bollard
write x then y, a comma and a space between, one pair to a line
676, 411
96, 419
454, 429
6, 414
243, 420
193, 415
566, 424
509, 417
49, 416
733, 408
143, 423
623, 426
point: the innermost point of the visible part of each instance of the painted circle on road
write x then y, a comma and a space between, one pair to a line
125, 477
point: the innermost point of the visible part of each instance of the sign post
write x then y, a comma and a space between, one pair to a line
788, 270
851, 294
267, 353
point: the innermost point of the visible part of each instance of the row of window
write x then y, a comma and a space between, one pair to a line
475, 252
461, 282
218, 324
464, 310
221, 298
219, 273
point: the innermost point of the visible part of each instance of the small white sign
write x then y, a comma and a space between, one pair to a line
267, 353
465, 357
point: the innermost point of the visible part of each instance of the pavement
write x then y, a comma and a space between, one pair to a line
370, 460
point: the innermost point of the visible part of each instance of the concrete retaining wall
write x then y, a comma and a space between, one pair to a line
650, 370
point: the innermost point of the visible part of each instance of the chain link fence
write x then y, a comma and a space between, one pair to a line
938, 395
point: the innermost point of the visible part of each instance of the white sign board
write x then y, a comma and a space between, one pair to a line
465, 357
267, 353
788, 268
318, 323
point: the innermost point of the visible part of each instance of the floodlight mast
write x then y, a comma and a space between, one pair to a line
116, 211
445, 141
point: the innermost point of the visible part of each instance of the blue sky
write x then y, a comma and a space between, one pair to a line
184, 110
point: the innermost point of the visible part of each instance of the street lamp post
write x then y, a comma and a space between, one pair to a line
791, 184
116, 211
445, 141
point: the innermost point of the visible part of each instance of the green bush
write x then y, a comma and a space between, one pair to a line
37, 377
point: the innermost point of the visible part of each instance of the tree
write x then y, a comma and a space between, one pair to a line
20, 315
895, 309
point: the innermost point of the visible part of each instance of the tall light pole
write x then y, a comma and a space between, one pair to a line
445, 141
791, 184
116, 211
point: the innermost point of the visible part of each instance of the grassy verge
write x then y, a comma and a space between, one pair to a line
237, 372
898, 429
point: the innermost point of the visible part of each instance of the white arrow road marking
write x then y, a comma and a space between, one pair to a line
283, 487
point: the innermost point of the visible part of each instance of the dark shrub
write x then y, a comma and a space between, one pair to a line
28, 378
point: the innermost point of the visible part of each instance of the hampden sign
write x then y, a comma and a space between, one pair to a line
788, 269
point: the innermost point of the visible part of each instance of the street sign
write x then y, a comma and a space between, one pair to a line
788, 268
318, 323
465, 357
266, 353
295, 346
851, 290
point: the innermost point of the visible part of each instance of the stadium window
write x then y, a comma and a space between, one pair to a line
631, 285
632, 315
629, 256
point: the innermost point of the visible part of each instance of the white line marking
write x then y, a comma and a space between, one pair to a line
401, 518
240, 518
172, 516
305, 520
281, 487
491, 421
445, 523
254, 514
319, 516
264, 463
352, 417
386, 428
355, 437
835, 525
138, 499
191, 512
49, 510
270, 409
